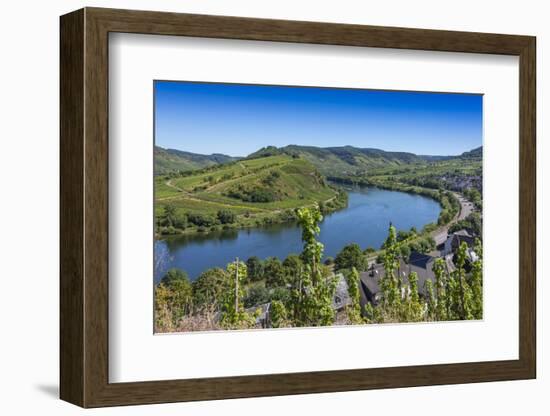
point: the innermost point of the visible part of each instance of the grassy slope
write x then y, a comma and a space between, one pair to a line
298, 184
349, 160
168, 160
335, 161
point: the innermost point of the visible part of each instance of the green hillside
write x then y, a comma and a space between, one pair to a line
476, 154
244, 193
334, 161
169, 160
349, 161
209, 192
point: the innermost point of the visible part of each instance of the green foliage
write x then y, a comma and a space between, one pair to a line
354, 310
476, 282
471, 223
474, 196
255, 269
226, 217
369, 251
431, 301
312, 295
412, 307
400, 300
464, 292
351, 256
389, 284
176, 162
173, 276
268, 189
173, 298
202, 220
274, 272
253, 194
208, 288
233, 314
278, 313
405, 251
293, 267
265, 190
169, 215
440, 304
329, 261
271, 178
256, 294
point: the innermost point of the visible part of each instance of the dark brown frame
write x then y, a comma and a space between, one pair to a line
84, 207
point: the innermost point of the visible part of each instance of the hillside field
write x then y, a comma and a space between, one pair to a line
242, 193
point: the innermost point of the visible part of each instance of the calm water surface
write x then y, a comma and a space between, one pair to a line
364, 222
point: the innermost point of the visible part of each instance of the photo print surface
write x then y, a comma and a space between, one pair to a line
289, 206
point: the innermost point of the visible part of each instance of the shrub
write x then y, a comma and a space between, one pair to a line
257, 294
226, 217
350, 256
202, 220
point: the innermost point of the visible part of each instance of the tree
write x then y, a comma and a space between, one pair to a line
180, 221
255, 269
389, 284
201, 220
208, 287
431, 301
369, 251
329, 261
169, 213
226, 217
172, 276
440, 296
293, 266
313, 293
256, 294
274, 272
233, 314
354, 309
476, 282
175, 296
351, 256
405, 252
413, 308
163, 314
278, 314
181, 300
462, 295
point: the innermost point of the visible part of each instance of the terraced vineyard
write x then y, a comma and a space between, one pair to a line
248, 192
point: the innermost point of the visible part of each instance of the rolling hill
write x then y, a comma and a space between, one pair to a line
330, 161
254, 191
168, 160
335, 161
476, 154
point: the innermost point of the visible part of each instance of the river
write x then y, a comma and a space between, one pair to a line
365, 221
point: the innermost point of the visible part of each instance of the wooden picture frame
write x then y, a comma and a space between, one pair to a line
84, 207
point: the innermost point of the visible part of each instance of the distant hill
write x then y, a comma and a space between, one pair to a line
328, 160
349, 159
167, 160
476, 153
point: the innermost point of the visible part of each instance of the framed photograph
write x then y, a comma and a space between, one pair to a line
260, 207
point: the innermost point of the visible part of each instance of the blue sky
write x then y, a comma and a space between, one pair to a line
237, 119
